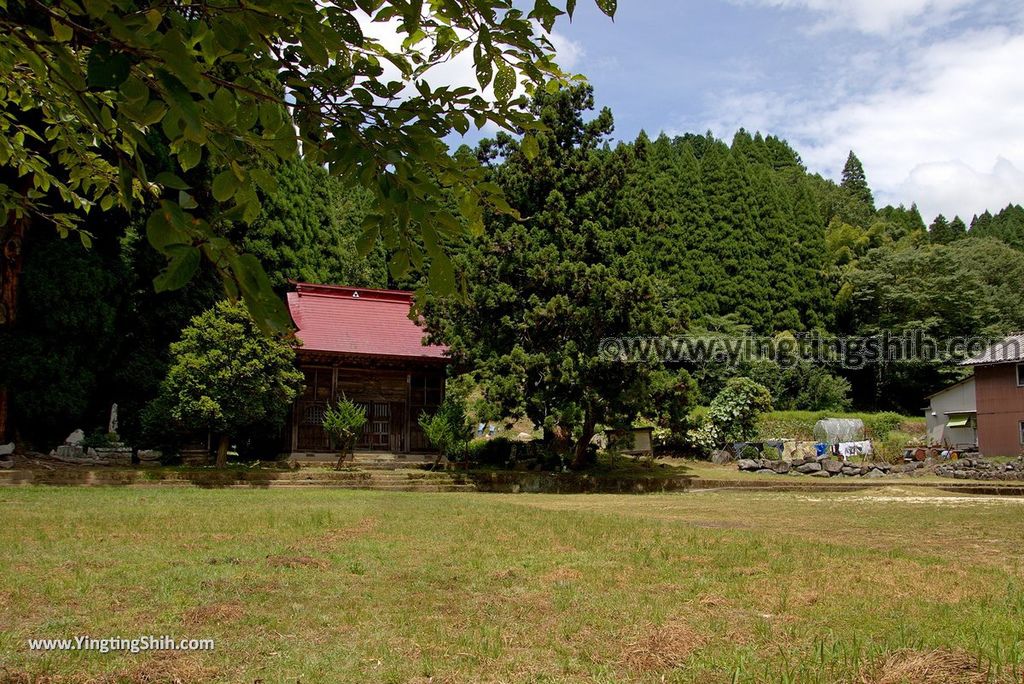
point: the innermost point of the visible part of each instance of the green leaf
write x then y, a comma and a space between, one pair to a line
189, 155
608, 7
399, 264
530, 146
165, 227
442, 274
225, 184
153, 113
313, 45
224, 105
348, 27
484, 67
368, 238
61, 31
183, 265
105, 69
504, 83
570, 8
171, 180
263, 304
265, 180
181, 98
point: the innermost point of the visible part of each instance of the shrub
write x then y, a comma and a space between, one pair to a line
878, 426
343, 422
449, 430
497, 452
749, 451
890, 449
732, 416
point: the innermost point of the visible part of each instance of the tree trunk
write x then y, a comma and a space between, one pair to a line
587, 434
222, 451
12, 238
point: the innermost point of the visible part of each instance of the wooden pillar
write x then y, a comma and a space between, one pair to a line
408, 414
12, 238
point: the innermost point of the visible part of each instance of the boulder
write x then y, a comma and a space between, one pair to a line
6, 449
747, 464
149, 456
765, 471
73, 453
875, 473
821, 473
75, 438
808, 468
852, 471
6, 464
721, 457
781, 467
832, 466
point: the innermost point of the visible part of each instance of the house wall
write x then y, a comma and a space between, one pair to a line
959, 398
394, 399
1000, 404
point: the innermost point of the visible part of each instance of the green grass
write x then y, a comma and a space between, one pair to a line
800, 424
345, 586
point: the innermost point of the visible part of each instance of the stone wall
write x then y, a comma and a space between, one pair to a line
824, 467
980, 469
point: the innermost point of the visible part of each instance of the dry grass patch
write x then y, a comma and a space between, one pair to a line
562, 574
927, 667
167, 668
714, 601
161, 669
216, 613
360, 529
662, 647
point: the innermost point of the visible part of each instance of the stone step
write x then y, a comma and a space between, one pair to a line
390, 480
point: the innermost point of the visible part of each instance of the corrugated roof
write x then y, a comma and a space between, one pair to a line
1007, 350
356, 320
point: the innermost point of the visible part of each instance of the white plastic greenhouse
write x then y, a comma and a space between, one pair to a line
836, 430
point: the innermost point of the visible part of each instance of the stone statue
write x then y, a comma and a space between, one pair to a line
112, 426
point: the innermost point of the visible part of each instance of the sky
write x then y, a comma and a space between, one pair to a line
928, 93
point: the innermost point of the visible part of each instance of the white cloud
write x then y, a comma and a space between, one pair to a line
943, 130
873, 16
955, 116
954, 184
459, 71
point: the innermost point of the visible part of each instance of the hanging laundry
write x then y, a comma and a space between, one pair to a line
848, 449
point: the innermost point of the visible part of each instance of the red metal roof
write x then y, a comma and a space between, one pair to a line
358, 320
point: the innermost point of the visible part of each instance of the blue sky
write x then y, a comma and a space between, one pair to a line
929, 93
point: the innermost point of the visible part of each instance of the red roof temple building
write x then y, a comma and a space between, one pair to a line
360, 344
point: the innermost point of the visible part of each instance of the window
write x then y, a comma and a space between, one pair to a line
1020, 427
1020, 375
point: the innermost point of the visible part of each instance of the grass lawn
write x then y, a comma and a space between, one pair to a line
883, 585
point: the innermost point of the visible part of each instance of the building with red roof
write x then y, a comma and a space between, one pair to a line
362, 344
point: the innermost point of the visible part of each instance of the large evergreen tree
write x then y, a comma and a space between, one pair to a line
857, 204
309, 228
543, 292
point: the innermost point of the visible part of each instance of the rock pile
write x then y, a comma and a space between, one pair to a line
74, 451
981, 469
7, 455
824, 467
